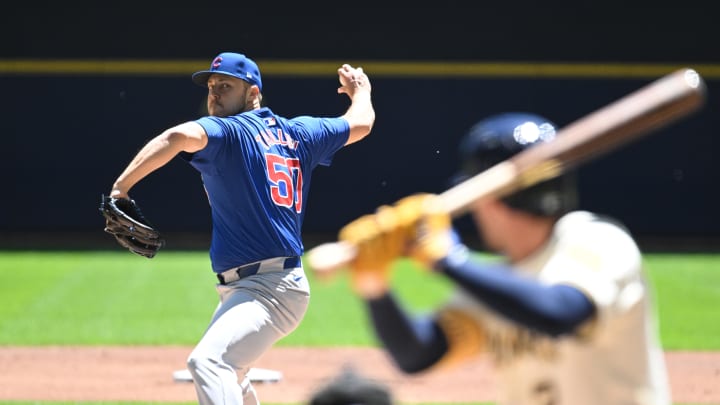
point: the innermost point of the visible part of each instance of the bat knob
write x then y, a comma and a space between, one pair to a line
327, 259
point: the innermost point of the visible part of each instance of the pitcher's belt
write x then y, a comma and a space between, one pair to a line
263, 266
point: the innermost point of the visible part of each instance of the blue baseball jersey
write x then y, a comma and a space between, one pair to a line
256, 170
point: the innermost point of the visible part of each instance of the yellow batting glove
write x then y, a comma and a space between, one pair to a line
409, 210
423, 227
431, 235
378, 242
412, 226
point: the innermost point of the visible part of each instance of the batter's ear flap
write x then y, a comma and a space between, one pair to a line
465, 336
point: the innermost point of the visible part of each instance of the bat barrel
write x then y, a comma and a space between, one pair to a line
627, 119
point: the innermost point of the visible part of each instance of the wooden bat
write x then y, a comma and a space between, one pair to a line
653, 106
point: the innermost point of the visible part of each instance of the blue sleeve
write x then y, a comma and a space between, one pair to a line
551, 309
414, 343
327, 135
214, 128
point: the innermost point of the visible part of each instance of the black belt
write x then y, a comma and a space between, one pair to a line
247, 270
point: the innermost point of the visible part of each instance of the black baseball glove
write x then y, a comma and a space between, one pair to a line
127, 224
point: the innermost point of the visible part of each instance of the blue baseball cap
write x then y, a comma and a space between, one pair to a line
231, 64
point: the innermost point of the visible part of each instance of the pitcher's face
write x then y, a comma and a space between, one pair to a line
227, 95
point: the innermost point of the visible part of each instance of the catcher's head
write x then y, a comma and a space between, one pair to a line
499, 137
351, 388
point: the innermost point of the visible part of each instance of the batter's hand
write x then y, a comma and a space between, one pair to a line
352, 79
379, 242
425, 227
379, 239
432, 237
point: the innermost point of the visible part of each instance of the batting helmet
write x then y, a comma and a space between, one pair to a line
497, 138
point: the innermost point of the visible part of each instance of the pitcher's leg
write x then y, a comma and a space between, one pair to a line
215, 383
240, 333
249, 394
253, 315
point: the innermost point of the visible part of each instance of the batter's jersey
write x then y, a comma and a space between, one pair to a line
615, 359
256, 169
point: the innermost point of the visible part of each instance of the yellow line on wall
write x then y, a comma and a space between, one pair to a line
377, 69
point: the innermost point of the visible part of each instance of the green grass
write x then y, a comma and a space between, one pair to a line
103, 298
97, 298
687, 295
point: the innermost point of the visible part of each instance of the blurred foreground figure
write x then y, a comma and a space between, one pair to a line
566, 315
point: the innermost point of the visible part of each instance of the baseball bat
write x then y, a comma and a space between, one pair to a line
653, 106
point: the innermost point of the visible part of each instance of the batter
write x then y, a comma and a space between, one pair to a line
566, 314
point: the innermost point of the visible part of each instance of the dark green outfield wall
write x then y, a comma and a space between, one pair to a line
70, 129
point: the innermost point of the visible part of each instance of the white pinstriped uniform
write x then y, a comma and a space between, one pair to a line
616, 359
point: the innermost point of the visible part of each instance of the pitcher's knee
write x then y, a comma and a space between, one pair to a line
198, 365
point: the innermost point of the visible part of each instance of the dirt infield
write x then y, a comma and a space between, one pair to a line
145, 374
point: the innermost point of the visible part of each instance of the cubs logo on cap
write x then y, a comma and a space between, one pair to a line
231, 64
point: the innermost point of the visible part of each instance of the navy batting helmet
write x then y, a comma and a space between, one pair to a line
499, 137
